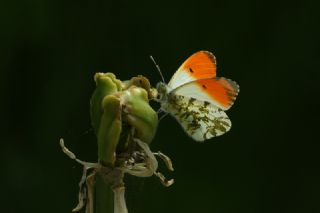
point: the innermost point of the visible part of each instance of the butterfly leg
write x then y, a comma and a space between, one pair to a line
162, 116
159, 111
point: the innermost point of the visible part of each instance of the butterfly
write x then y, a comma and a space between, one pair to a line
197, 98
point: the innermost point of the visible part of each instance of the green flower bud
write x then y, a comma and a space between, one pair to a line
106, 84
139, 114
116, 109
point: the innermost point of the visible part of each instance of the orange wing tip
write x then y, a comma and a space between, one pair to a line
221, 90
234, 85
233, 92
210, 55
200, 65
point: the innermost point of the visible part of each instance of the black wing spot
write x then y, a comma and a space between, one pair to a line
191, 70
204, 86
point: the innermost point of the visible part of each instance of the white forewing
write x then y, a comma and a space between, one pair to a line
200, 120
179, 78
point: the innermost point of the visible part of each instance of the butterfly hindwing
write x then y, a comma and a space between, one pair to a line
219, 91
200, 65
200, 120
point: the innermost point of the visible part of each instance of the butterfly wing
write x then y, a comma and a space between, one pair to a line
219, 91
200, 65
198, 99
200, 119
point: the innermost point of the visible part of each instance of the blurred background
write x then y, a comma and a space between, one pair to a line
268, 162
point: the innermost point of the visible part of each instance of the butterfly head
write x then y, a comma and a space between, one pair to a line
162, 89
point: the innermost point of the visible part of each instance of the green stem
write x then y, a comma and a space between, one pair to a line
108, 138
103, 196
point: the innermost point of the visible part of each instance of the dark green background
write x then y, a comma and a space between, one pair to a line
268, 162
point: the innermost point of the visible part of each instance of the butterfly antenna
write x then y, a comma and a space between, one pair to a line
158, 68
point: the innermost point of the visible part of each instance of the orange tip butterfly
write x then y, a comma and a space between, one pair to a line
197, 98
